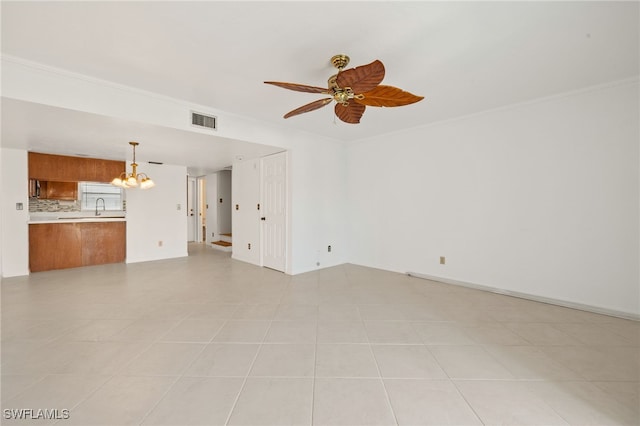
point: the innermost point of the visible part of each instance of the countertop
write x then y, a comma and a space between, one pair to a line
71, 217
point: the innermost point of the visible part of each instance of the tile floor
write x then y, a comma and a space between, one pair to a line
206, 340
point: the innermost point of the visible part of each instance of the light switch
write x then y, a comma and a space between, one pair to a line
19, 206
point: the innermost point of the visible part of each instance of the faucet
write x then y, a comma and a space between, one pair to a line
103, 205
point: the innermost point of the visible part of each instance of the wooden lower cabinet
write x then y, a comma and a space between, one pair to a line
54, 246
103, 242
70, 245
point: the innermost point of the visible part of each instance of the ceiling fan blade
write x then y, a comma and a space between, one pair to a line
308, 107
351, 113
363, 78
387, 96
299, 87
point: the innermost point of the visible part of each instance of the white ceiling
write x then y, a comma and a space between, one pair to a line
464, 57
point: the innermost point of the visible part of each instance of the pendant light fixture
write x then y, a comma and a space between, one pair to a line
133, 179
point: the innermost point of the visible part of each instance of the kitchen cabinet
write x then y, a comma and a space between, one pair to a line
62, 168
59, 168
50, 190
54, 246
102, 242
106, 170
70, 245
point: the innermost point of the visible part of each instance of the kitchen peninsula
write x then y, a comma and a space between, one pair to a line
63, 234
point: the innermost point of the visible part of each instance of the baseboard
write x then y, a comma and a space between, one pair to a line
551, 301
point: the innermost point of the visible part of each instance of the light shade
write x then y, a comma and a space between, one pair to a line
133, 179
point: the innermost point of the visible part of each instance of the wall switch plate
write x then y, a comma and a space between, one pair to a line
442, 260
19, 206
178, 206
329, 249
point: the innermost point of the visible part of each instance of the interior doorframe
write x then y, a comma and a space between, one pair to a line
200, 203
192, 202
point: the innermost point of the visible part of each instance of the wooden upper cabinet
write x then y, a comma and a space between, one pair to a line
62, 168
106, 170
51, 190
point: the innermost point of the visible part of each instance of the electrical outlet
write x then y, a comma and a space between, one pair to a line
442, 260
19, 206
329, 249
178, 207
249, 246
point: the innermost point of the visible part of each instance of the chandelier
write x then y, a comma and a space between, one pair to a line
133, 179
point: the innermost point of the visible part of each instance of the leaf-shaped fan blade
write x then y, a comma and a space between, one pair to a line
299, 87
308, 107
388, 96
350, 113
362, 79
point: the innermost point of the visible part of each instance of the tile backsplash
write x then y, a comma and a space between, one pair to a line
37, 205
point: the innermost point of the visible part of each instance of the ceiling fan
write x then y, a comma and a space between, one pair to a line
353, 90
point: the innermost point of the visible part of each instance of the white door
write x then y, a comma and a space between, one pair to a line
274, 211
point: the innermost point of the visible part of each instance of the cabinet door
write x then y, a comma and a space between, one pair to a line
42, 166
106, 170
63, 168
59, 168
59, 190
54, 246
103, 242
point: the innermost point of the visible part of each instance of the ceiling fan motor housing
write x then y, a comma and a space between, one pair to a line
340, 61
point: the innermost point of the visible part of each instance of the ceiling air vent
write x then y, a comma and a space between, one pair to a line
206, 121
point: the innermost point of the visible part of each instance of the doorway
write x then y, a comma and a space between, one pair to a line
218, 210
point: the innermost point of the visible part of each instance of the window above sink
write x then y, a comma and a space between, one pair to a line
90, 192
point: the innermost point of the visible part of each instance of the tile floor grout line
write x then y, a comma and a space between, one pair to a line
164, 394
89, 395
315, 365
244, 382
384, 387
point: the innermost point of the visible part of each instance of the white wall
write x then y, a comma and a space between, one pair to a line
319, 208
15, 231
540, 198
246, 220
158, 214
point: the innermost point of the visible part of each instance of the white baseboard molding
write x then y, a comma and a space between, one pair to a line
551, 301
